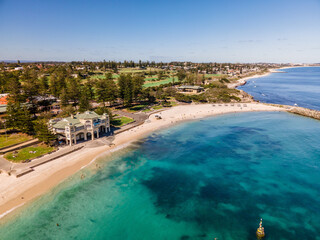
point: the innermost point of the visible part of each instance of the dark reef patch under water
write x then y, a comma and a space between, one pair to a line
198, 180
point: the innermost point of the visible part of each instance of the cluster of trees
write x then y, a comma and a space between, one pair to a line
128, 89
30, 91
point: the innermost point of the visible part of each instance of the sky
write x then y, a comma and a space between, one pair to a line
278, 31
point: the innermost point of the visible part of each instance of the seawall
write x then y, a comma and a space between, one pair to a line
305, 112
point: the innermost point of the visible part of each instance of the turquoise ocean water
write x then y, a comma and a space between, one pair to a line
299, 86
198, 180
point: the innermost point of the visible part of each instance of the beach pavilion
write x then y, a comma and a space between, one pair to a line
81, 127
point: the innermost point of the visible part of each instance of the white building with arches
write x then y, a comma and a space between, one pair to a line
81, 127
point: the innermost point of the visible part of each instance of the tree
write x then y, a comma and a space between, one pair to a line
73, 90
31, 88
43, 133
64, 98
90, 87
43, 85
14, 89
181, 75
53, 86
67, 111
108, 75
146, 94
102, 110
203, 79
106, 91
125, 88
137, 85
84, 104
19, 117
160, 75
191, 78
58, 80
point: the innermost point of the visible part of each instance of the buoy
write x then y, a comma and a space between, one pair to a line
260, 231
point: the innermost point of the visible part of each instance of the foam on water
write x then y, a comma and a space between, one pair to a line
198, 180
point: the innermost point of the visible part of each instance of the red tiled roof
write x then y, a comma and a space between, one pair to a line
4, 100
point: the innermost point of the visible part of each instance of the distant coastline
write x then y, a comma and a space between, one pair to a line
243, 81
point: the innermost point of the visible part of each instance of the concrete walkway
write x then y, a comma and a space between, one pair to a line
19, 169
5, 165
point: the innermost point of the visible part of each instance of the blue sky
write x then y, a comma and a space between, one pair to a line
183, 30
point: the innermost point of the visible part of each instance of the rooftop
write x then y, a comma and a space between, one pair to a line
87, 115
75, 119
190, 87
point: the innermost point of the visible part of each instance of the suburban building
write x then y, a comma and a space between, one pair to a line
82, 126
190, 89
4, 99
3, 104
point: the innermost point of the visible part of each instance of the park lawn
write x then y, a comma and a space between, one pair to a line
98, 76
137, 108
161, 82
132, 70
13, 139
103, 76
114, 75
212, 75
118, 122
157, 107
173, 103
147, 110
137, 70
153, 78
29, 153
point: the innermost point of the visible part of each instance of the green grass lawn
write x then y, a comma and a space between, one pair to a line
137, 70
13, 139
114, 75
98, 76
173, 103
153, 78
212, 75
29, 153
118, 122
137, 108
157, 107
131, 70
158, 83
147, 110
102, 76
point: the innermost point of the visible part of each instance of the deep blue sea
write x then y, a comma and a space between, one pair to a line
299, 86
209, 178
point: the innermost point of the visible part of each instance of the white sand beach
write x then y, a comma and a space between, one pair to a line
15, 192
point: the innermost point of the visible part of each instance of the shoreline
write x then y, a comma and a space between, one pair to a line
243, 81
19, 192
